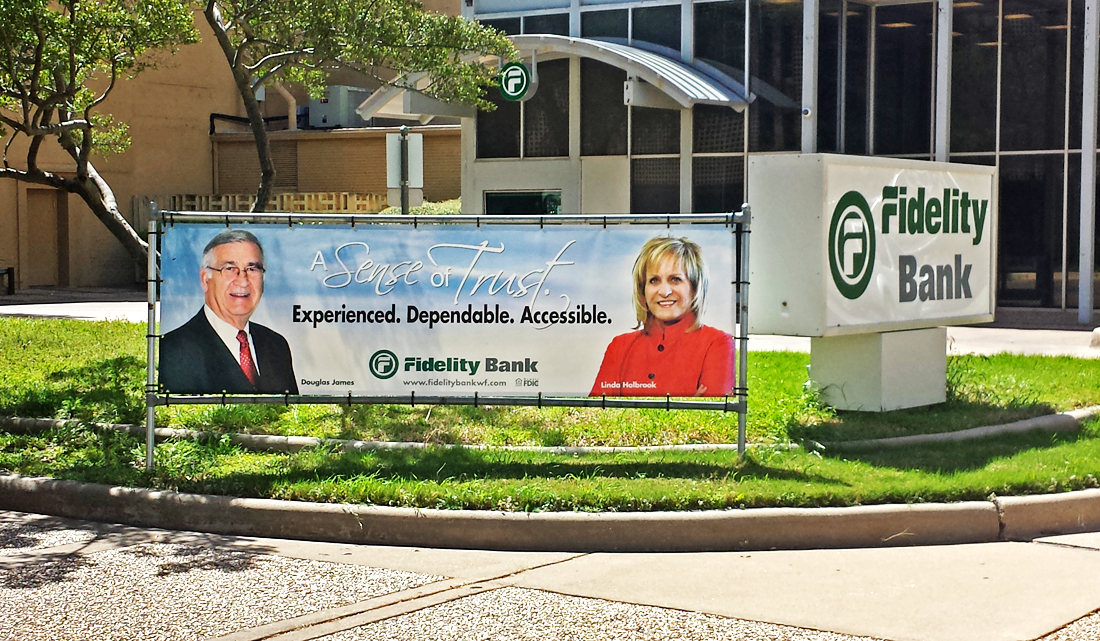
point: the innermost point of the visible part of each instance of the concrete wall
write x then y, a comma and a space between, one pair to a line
342, 160
167, 110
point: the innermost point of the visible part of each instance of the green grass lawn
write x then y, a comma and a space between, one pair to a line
95, 371
453, 478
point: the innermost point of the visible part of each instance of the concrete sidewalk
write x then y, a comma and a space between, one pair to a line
68, 579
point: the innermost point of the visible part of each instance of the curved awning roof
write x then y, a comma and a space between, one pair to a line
686, 83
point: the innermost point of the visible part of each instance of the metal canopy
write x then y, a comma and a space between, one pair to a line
687, 84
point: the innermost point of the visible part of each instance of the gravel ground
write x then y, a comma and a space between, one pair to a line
1083, 629
26, 532
163, 591
522, 614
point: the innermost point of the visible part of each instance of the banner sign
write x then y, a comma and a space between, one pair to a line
877, 244
446, 309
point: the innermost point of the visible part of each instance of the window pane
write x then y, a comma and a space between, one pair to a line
557, 24
603, 114
903, 79
654, 185
717, 129
658, 25
1030, 229
1033, 62
718, 184
654, 131
777, 61
974, 78
509, 26
546, 114
523, 202
604, 24
720, 33
855, 107
498, 130
828, 61
1076, 70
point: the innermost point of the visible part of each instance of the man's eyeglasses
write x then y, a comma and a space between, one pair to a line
232, 271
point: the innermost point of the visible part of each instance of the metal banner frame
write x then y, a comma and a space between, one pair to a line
739, 223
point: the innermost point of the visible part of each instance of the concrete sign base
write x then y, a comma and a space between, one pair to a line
881, 372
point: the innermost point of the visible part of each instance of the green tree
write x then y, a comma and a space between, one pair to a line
265, 41
59, 60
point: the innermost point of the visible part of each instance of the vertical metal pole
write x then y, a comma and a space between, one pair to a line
404, 170
842, 78
747, 118
743, 331
1088, 162
151, 342
810, 22
687, 31
872, 59
1065, 158
944, 11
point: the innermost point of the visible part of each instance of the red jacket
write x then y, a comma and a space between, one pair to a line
669, 361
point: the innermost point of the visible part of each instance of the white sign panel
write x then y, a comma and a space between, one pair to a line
870, 245
416, 161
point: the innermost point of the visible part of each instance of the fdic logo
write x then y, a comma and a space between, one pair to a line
383, 364
852, 245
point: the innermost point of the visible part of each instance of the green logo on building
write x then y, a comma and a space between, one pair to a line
383, 364
515, 80
852, 245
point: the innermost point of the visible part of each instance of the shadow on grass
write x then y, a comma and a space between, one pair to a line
107, 389
951, 416
958, 456
458, 465
444, 424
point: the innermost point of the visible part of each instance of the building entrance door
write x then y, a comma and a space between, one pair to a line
47, 239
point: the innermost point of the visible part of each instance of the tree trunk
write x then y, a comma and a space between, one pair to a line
251, 108
97, 194
101, 199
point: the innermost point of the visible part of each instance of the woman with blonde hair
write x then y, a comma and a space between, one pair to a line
671, 352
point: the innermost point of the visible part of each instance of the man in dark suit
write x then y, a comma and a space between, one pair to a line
219, 350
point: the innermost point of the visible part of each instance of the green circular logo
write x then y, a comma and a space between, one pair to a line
852, 245
383, 364
515, 80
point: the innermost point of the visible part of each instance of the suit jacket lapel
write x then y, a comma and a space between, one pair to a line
229, 371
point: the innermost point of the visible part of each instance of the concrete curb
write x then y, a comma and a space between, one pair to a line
1029, 517
756, 529
1009, 518
1064, 422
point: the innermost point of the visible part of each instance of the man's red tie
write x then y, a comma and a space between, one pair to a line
247, 366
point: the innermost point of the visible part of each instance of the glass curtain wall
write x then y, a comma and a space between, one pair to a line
1016, 104
1016, 63
1016, 94
650, 137
775, 123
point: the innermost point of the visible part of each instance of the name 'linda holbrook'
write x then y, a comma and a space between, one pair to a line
580, 314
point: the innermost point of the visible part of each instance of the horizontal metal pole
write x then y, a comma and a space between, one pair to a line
526, 401
169, 218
